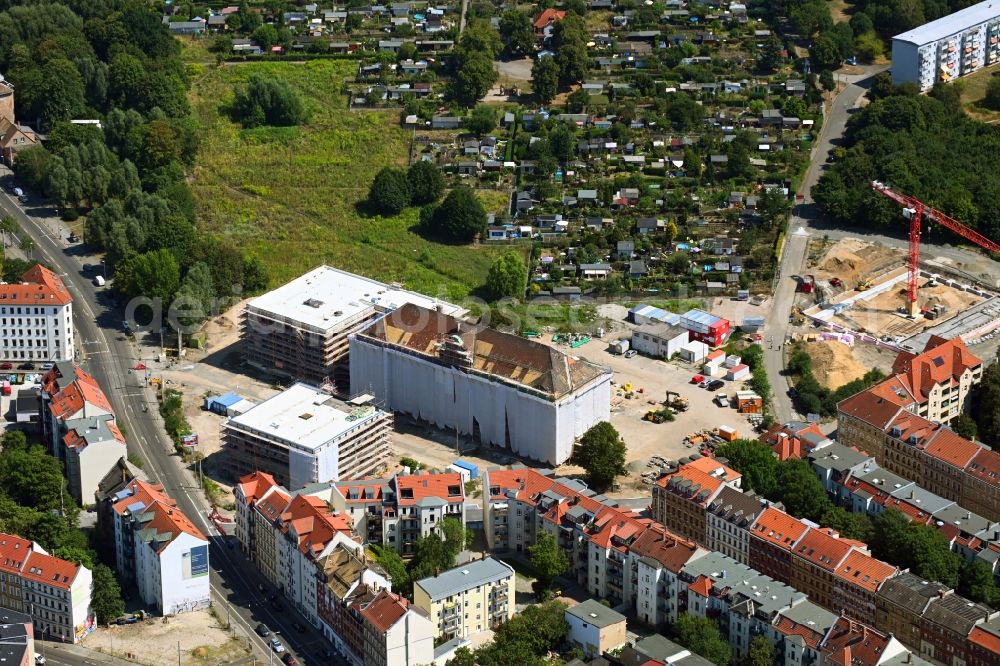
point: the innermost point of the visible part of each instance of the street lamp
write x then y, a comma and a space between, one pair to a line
104, 269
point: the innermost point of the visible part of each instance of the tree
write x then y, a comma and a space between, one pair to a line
771, 56
849, 525
426, 182
545, 79
483, 119
431, 554
474, 77
975, 582
569, 41
801, 492
266, 36
825, 54
601, 452
755, 461
890, 534
869, 47
393, 564
548, 559
268, 101
194, 297
992, 98
508, 276
76, 554
8, 225
107, 596
61, 95
702, 636
481, 37
761, 652
826, 80
986, 406
153, 274
965, 426
455, 536
27, 246
516, 33
460, 217
390, 191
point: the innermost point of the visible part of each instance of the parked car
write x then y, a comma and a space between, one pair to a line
722, 400
299, 627
288, 659
715, 385
704, 383
26, 366
6, 366
277, 646
262, 630
630, 353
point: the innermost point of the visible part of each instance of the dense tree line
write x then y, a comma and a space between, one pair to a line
526, 639
114, 61
923, 146
268, 101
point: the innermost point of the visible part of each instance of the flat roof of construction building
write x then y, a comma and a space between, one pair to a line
304, 416
950, 24
326, 298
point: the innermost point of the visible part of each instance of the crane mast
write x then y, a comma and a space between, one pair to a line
916, 212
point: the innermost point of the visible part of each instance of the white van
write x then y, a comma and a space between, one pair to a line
39, 660
99, 280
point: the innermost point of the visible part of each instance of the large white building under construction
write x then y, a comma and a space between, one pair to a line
300, 329
951, 46
303, 435
498, 388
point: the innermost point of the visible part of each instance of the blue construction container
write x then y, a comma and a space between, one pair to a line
472, 469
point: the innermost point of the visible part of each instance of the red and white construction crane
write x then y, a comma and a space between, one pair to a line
916, 212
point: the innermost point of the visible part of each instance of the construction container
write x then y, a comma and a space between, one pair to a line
727, 433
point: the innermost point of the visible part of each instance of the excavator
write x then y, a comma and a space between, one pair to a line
676, 402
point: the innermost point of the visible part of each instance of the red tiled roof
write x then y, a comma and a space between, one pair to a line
789, 627
908, 424
169, 520
254, 486
702, 585
985, 639
985, 466
548, 16
864, 570
941, 362
871, 407
851, 643
13, 552
49, 570
272, 505
313, 523
778, 528
429, 485
668, 549
823, 548
71, 399
141, 491
43, 287
385, 610
950, 447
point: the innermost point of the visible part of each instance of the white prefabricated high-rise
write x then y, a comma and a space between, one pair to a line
501, 389
952, 46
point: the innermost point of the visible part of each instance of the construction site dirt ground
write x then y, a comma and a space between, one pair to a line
202, 638
835, 363
851, 260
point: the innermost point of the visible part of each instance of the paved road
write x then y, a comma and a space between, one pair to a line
109, 356
800, 227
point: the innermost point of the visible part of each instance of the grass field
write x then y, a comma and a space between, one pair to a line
974, 90
289, 194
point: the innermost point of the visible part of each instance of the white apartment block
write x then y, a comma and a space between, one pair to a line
36, 319
950, 47
303, 435
171, 560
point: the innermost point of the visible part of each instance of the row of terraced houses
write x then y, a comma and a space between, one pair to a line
310, 545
